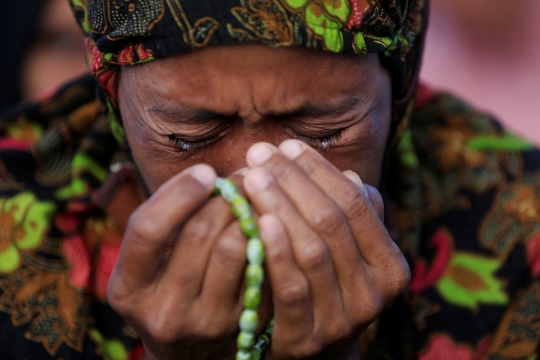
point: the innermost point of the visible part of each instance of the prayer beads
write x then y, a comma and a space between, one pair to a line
249, 348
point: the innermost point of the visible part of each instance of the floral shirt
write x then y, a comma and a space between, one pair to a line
465, 193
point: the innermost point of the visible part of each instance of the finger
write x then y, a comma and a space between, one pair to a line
149, 229
187, 265
369, 232
351, 175
317, 209
370, 192
225, 272
293, 315
309, 251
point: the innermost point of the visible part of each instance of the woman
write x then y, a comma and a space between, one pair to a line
309, 135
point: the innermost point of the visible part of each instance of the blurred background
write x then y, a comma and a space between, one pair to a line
42, 48
487, 51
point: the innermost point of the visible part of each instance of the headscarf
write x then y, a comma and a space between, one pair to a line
129, 32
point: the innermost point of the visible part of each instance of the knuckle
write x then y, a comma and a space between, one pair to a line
229, 250
372, 306
308, 349
339, 330
313, 256
197, 228
293, 295
208, 327
123, 299
161, 326
342, 329
353, 201
298, 350
142, 228
356, 206
399, 276
161, 331
327, 218
394, 273
277, 252
117, 300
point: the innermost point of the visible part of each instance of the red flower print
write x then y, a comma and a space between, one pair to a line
67, 222
79, 258
108, 82
126, 55
14, 144
422, 277
533, 254
359, 8
137, 353
143, 54
107, 258
97, 59
441, 347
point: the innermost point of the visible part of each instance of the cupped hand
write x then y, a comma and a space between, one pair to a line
179, 273
331, 264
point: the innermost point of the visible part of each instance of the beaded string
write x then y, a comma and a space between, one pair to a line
249, 348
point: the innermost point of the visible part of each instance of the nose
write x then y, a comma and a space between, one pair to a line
231, 155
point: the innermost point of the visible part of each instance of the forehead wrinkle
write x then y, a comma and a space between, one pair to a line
177, 113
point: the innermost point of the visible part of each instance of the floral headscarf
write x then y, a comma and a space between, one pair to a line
129, 32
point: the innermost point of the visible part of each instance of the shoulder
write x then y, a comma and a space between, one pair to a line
478, 253
462, 151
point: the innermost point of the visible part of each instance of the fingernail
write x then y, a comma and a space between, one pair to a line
259, 153
351, 175
292, 148
257, 179
204, 174
243, 171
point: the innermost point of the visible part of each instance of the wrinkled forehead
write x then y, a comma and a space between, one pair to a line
270, 77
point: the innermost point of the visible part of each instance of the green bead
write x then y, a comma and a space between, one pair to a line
249, 227
255, 251
255, 355
229, 191
249, 320
245, 341
254, 276
217, 186
252, 298
243, 355
240, 208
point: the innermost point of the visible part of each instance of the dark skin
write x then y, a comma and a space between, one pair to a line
331, 265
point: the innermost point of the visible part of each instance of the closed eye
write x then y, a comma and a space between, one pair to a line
321, 143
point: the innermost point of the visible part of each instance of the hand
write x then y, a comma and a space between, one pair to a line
331, 263
179, 273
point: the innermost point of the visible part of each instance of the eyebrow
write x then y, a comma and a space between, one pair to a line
176, 112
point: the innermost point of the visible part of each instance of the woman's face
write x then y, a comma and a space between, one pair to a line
209, 106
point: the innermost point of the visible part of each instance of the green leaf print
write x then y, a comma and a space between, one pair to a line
469, 280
